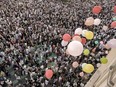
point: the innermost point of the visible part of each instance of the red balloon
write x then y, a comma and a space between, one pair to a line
83, 41
114, 10
66, 37
96, 9
48, 74
113, 24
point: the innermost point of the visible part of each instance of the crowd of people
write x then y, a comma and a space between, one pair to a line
30, 41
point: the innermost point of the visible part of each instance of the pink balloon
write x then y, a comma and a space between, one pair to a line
75, 64
48, 74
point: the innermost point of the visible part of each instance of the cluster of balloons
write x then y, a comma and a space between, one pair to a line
87, 68
98, 9
75, 46
87, 35
91, 21
76, 42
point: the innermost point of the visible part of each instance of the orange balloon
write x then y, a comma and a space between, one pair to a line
77, 38
114, 10
48, 74
96, 9
113, 24
66, 37
83, 41
89, 21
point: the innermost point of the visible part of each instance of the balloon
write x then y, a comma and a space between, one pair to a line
75, 48
83, 41
75, 64
86, 52
112, 43
78, 31
89, 35
114, 10
66, 37
113, 24
88, 68
105, 28
64, 43
96, 9
83, 33
48, 74
89, 21
77, 38
104, 60
97, 21
83, 65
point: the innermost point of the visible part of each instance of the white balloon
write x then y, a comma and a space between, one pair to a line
64, 43
83, 64
78, 31
97, 21
83, 33
75, 48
